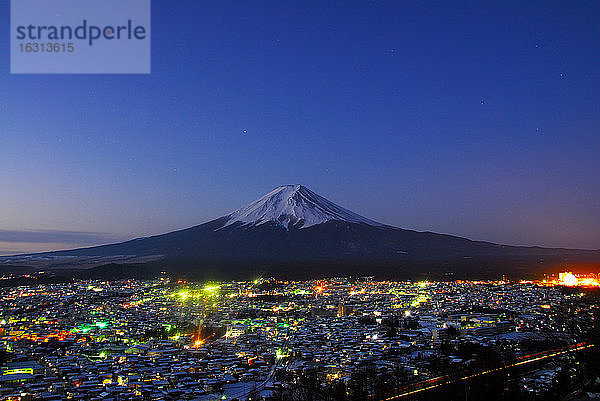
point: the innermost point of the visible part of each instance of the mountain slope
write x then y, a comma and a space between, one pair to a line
291, 225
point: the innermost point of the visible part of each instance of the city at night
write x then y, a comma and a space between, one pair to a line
299, 200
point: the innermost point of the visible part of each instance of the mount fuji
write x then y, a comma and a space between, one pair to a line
293, 232
293, 206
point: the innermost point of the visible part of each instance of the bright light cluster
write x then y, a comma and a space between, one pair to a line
571, 280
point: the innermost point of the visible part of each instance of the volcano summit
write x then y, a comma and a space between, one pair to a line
296, 206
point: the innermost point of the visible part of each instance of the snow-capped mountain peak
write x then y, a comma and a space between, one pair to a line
293, 205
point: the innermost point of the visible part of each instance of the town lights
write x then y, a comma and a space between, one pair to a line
211, 288
569, 279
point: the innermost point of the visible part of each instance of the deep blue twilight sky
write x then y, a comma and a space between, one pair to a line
480, 120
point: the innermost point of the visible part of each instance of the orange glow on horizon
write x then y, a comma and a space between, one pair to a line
570, 279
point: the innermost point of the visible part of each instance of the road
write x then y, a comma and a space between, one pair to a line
446, 380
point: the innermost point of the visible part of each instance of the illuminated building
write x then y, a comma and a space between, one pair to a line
236, 330
569, 279
30, 367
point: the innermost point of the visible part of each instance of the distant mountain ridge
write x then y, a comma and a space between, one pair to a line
293, 226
